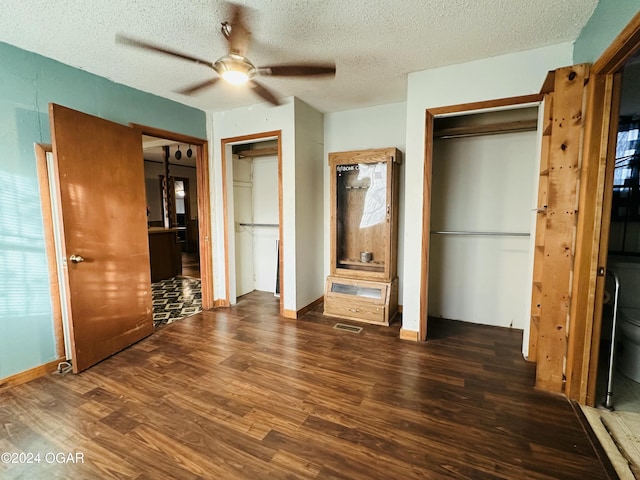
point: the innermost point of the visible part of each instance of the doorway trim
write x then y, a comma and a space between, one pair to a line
204, 204
430, 115
274, 135
593, 225
50, 247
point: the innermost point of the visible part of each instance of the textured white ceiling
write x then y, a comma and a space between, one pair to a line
374, 43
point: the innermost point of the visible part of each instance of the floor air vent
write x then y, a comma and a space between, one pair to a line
348, 328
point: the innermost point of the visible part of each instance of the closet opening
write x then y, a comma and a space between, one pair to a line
484, 166
253, 226
481, 163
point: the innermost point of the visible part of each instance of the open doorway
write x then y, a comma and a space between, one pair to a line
177, 186
617, 382
172, 216
256, 217
251, 167
174, 203
461, 232
483, 171
110, 254
610, 356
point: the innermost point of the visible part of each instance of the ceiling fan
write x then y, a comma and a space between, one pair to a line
235, 67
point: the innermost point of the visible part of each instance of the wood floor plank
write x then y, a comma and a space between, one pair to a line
178, 453
242, 393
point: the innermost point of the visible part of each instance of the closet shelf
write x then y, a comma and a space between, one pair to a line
373, 263
258, 152
490, 129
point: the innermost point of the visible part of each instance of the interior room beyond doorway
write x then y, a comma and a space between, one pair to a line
172, 218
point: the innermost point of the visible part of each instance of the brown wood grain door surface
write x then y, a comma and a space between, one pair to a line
100, 171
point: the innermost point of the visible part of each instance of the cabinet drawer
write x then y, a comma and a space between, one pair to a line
349, 290
354, 310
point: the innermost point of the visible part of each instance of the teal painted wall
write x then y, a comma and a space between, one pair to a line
607, 21
28, 82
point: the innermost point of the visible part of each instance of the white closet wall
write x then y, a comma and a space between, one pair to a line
243, 213
265, 211
482, 184
255, 197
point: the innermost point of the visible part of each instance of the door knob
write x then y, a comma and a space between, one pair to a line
76, 259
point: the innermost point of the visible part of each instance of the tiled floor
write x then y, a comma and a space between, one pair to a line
617, 429
175, 298
626, 394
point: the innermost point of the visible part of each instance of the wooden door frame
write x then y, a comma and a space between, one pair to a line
430, 115
50, 247
594, 217
264, 136
204, 204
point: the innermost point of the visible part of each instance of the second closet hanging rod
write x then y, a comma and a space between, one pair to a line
483, 234
272, 225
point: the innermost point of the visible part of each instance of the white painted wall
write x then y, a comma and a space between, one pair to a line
482, 184
309, 201
265, 210
255, 200
360, 129
399, 124
498, 77
302, 138
243, 213
239, 122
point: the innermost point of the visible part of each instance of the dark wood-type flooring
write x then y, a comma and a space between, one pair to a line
190, 265
241, 393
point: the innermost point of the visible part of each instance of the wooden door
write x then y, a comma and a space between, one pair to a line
100, 172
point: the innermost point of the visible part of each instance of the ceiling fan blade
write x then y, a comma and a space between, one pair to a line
123, 39
236, 31
298, 70
264, 93
198, 86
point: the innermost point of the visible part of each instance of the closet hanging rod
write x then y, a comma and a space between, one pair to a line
483, 234
270, 225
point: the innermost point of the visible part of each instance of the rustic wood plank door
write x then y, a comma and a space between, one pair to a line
100, 173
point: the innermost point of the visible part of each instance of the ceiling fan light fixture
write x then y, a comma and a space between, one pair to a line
235, 69
235, 77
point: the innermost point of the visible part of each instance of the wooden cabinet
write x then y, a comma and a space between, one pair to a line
164, 253
364, 235
361, 300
